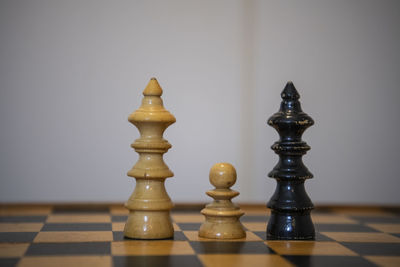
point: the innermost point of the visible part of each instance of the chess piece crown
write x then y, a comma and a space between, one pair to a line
222, 216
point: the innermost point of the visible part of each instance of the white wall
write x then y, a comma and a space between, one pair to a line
72, 71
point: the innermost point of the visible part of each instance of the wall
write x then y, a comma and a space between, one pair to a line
72, 71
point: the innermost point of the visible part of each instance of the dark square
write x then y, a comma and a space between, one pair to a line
9, 262
84, 248
262, 235
81, 209
11, 237
118, 236
254, 218
159, 261
321, 237
322, 210
189, 226
343, 228
318, 236
394, 210
207, 247
328, 261
22, 219
179, 236
119, 218
77, 227
376, 249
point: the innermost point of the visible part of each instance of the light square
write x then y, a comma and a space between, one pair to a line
176, 227
234, 260
119, 210
79, 218
362, 237
360, 211
20, 227
393, 228
332, 219
74, 236
118, 226
66, 261
13, 250
188, 218
309, 248
125, 248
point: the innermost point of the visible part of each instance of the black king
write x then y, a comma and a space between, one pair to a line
290, 205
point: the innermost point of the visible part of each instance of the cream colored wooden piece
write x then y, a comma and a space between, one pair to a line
149, 205
222, 216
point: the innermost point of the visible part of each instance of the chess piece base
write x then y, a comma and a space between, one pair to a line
290, 226
222, 228
149, 225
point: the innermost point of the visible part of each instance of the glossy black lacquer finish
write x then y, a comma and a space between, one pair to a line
290, 205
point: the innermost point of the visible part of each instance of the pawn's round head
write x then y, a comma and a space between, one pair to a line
222, 175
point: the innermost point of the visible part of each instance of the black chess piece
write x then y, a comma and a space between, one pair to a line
290, 205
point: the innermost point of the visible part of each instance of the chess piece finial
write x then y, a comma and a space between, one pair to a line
290, 205
153, 88
290, 92
149, 204
222, 216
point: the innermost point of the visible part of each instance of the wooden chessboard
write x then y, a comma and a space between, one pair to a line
92, 236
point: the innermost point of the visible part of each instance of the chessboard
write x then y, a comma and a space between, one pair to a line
92, 235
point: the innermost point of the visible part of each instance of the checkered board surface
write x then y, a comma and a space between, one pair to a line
92, 236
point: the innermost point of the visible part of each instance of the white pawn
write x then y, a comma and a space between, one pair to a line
222, 216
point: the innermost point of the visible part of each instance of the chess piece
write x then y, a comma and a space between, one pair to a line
149, 204
290, 205
222, 216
